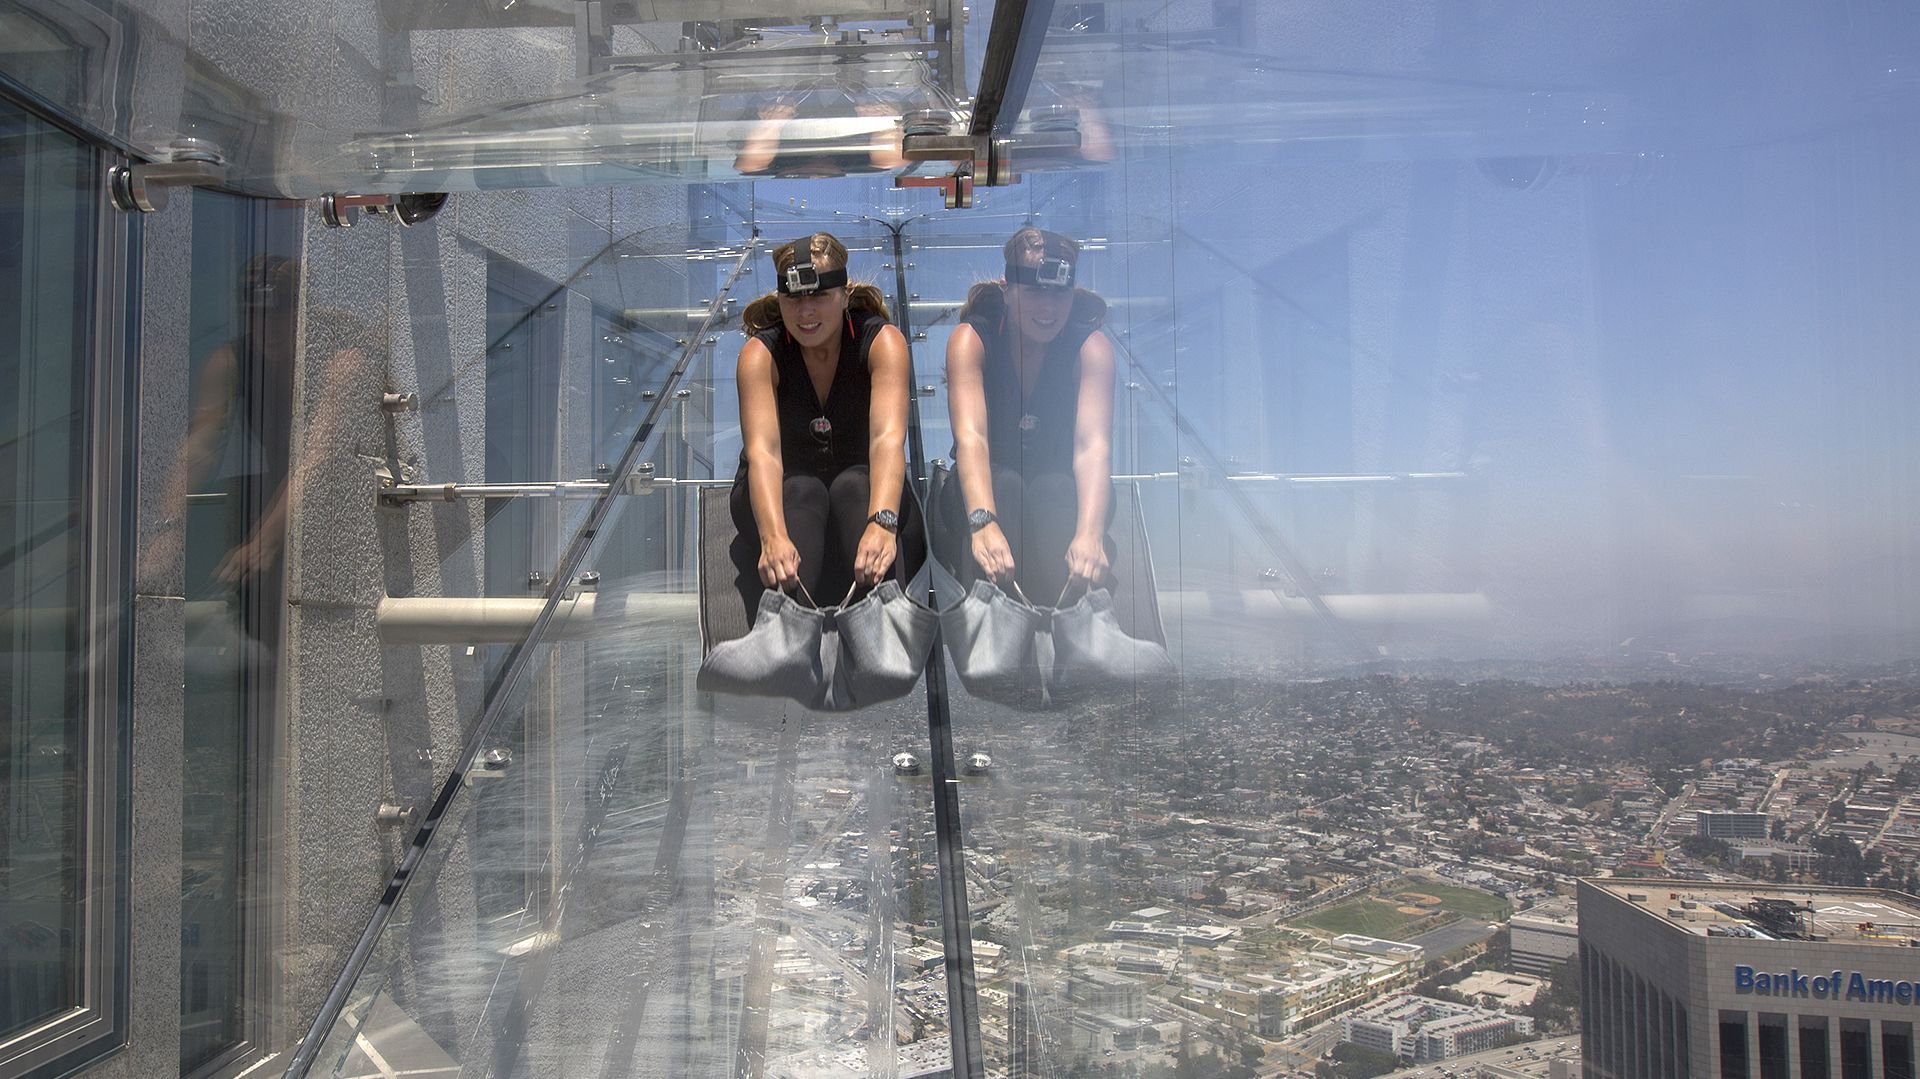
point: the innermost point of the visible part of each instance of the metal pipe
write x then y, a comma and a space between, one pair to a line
497, 620
450, 492
926, 312
563, 489
424, 620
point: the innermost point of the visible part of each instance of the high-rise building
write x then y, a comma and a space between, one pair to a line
1725, 824
1543, 937
1682, 978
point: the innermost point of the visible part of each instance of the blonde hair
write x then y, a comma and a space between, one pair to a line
826, 253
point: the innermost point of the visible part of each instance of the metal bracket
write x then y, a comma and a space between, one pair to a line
641, 480
957, 189
400, 402
143, 188
337, 210
983, 161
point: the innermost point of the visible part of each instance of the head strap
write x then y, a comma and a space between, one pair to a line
801, 279
1050, 273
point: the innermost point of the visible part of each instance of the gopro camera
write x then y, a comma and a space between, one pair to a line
1053, 273
802, 278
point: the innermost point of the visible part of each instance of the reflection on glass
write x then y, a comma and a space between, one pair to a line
46, 241
1030, 378
231, 505
777, 143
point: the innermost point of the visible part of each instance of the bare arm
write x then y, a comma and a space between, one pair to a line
1093, 458
779, 562
887, 419
211, 405
887, 368
209, 422
967, 405
262, 545
1093, 435
762, 143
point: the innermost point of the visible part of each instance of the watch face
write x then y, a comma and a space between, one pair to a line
980, 519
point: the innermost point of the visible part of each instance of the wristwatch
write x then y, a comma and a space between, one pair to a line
886, 519
980, 519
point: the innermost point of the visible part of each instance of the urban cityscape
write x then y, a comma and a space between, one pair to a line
1316, 877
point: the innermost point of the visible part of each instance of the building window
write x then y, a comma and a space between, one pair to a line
1773, 1046
1814, 1048
1896, 1050
228, 493
65, 597
1856, 1049
1733, 1046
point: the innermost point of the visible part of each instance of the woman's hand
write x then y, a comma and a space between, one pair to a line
875, 555
990, 550
779, 562
249, 559
1087, 558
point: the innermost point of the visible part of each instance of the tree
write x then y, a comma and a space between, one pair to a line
1708, 849
1352, 1061
1499, 948
1840, 862
1558, 1003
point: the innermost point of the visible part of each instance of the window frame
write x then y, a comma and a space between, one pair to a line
97, 1025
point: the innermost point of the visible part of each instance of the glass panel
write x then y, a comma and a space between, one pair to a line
47, 239
661, 881
229, 493
1441, 361
1815, 1049
443, 96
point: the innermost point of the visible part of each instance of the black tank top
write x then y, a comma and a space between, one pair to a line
1032, 433
822, 438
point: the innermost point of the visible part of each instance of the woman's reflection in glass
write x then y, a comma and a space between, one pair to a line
1030, 380
236, 450
772, 148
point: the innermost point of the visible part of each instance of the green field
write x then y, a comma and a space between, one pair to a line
1371, 917
1467, 901
1368, 917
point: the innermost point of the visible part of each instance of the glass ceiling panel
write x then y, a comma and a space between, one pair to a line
378, 96
386, 96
